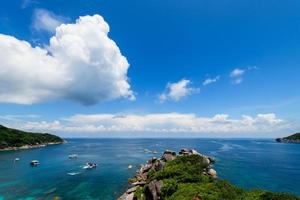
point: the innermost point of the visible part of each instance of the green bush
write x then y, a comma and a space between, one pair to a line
184, 169
169, 187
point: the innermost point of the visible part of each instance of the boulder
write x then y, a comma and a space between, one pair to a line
169, 155
153, 190
126, 196
212, 173
146, 168
152, 160
212, 160
138, 183
131, 190
158, 165
170, 152
194, 152
184, 151
205, 160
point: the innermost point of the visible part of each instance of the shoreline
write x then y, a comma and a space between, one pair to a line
189, 175
26, 147
141, 178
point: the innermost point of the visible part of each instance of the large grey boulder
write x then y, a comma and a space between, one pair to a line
205, 160
184, 151
169, 155
153, 190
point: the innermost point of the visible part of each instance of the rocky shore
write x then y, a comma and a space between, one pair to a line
153, 187
24, 147
188, 175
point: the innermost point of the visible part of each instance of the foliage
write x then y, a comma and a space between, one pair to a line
295, 136
184, 169
139, 194
183, 179
170, 186
16, 138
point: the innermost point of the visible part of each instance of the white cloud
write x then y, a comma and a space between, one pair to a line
81, 63
44, 20
177, 91
166, 123
209, 81
237, 74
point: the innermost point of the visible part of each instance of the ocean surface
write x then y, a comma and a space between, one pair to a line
247, 163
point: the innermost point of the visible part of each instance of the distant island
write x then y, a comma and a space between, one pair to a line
13, 139
188, 176
295, 138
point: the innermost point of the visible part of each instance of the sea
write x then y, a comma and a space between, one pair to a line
247, 163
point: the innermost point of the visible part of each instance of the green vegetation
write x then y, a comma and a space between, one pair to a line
183, 179
16, 138
295, 138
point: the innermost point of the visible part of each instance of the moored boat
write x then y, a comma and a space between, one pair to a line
90, 166
34, 163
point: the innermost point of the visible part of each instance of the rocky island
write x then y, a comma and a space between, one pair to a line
295, 138
188, 176
13, 139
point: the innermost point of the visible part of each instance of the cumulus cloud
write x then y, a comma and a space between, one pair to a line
237, 74
209, 81
81, 63
44, 20
177, 91
161, 123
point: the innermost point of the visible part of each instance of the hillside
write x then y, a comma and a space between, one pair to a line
189, 176
295, 138
13, 139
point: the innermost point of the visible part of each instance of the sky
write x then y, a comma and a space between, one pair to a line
173, 68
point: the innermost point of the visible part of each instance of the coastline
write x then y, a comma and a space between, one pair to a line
188, 175
26, 147
288, 141
293, 139
143, 178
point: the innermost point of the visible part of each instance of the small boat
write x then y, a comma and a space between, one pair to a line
34, 163
16, 159
73, 156
90, 166
129, 166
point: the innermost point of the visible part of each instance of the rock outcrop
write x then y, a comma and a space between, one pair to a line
152, 188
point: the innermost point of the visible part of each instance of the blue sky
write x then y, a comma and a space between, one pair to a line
246, 51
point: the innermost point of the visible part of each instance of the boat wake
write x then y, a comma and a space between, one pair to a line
73, 173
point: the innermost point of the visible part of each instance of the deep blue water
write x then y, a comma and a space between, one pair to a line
247, 163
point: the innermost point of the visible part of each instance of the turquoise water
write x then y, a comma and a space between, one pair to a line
247, 163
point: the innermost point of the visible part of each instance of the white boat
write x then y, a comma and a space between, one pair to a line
17, 159
129, 166
90, 166
34, 163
